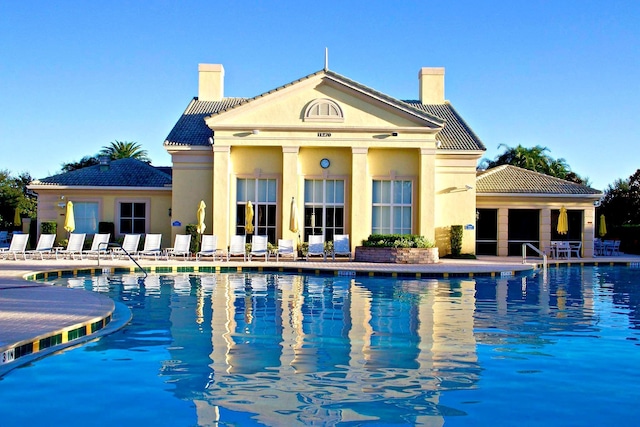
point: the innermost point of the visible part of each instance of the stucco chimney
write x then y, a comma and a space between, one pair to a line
431, 85
210, 82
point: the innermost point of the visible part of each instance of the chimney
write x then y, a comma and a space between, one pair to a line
210, 82
431, 85
105, 163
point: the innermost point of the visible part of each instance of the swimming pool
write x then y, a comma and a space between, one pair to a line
284, 349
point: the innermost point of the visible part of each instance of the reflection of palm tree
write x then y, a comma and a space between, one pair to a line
124, 150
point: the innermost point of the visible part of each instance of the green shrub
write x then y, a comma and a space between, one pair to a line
456, 240
49, 227
192, 229
398, 241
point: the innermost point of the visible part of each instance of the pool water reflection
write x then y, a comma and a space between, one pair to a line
285, 349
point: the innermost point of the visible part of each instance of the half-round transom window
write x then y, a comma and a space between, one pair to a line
323, 110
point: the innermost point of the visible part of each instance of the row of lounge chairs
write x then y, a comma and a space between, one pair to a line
100, 246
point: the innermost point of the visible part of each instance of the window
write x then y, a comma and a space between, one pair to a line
324, 207
392, 207
86, 217
323, 110
263, 195
133, 217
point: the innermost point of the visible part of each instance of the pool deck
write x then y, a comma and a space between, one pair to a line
31, 311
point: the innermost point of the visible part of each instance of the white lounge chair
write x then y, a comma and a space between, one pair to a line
316, 247
99, 246
259, 247
237, 247
44, 246
76, 242
152, 246
208, 247
129, 246
285, 249
341, 246
181, 246
17, 246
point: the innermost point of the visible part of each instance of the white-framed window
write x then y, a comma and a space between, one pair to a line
86, 216
324, 211
323, 110
263, 194
132, 217
392, 211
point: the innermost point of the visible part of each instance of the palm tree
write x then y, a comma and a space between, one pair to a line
535, 159
124, 150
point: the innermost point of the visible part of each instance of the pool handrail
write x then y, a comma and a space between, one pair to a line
118, 245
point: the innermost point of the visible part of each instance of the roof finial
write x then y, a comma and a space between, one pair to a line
326, 59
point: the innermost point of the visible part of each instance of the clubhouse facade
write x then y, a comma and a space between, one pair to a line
346, 158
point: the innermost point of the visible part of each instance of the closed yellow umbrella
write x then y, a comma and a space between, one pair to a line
602, 230
201, 227
563, 222
248, 218
17, 221
293, 220
69, 219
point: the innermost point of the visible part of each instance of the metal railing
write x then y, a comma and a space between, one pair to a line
538, 251
117, 245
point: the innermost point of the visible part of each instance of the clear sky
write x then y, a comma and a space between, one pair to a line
76, 75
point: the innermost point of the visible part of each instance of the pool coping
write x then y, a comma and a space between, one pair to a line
112, 317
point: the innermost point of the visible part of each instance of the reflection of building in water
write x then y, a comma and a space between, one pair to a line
323, 350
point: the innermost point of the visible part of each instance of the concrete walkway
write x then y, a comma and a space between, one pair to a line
31, 311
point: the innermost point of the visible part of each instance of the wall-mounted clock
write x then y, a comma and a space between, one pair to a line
324, 163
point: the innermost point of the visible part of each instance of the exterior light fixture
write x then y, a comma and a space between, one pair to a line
255, 131
394, 133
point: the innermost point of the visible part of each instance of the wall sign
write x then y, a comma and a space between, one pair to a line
176, 224
324, 134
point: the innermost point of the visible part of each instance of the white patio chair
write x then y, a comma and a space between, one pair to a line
76, 242
316, 247
17, 246
181, 246
208, 247
575, 248
615, 248
44, 246
152, 246
99, 246
285, 249
237, 247
341, 246
563, 250
259, 247
129, 246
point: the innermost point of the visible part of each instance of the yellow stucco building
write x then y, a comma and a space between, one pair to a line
354, 161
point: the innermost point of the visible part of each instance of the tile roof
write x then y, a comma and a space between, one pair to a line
121, 173
456, 134
509, 179
191, 128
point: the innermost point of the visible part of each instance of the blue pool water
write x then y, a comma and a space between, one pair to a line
284, 350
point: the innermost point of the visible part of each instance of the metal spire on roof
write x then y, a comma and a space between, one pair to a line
326, 59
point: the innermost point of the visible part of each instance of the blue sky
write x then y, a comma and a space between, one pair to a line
76, 75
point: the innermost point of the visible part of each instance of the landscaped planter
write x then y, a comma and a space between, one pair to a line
397, 255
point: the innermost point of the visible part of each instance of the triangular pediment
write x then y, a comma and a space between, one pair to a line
323, 99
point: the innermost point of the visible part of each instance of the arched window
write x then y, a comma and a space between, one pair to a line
323, 110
